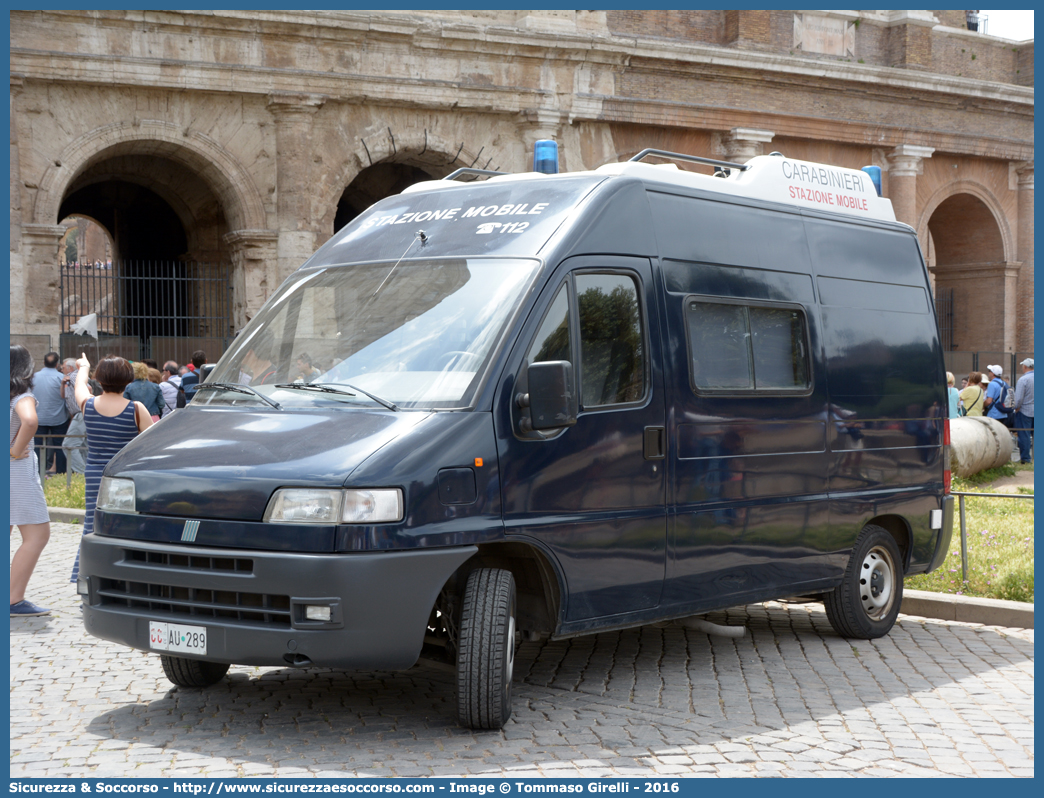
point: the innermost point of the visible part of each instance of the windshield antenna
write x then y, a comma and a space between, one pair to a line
419, 236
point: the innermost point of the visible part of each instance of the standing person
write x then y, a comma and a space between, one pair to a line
28, 506
173, 373
112, 422
972, 396
74, 445
952, 394
190, 381
144, 391
996, 393
1024, 411
51, 412
169, 384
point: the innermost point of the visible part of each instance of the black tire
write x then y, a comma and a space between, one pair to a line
486, 649
192, 672
866, 604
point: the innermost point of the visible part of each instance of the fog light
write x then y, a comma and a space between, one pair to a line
314, 612
82, 586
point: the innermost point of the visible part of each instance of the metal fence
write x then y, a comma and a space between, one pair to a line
964, 525
164, 310
961, 363
944, 313
50, 445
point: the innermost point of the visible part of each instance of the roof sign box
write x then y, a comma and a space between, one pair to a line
778, 179
772, 178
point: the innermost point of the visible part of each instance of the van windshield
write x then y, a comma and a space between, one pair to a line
416, 334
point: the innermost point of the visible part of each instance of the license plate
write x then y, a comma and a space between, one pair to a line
177, 637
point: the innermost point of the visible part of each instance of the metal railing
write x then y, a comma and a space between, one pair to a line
42, 454
162, 310
964, 526
960, 363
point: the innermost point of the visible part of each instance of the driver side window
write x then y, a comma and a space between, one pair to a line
611, 365
552, 339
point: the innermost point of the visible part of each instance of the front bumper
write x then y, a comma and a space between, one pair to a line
252, 602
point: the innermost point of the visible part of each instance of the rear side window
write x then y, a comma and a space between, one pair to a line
612, 354
741, 347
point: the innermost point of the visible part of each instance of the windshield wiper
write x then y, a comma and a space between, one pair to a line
308, 386
377, 399
235, 386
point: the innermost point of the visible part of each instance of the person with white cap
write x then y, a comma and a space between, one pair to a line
1024, 411
996, 396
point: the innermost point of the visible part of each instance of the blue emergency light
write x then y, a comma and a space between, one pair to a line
875, 176
545, 157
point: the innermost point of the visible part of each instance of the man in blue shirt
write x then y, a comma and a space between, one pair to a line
51, 411
190, 382
995, 395
1024, 411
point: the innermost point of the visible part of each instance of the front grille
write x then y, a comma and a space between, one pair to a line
196, 603
159, 559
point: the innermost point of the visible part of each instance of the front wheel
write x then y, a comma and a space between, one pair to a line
866, 604
186, 672
486, 649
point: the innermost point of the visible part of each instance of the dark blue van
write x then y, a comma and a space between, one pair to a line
544, 405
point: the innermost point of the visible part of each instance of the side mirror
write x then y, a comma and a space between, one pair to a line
552, 403
204, 371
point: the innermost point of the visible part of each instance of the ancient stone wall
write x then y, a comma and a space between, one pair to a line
253, 127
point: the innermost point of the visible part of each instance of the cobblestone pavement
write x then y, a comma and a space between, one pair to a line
788, 699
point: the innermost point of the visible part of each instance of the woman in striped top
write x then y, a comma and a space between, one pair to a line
112, 421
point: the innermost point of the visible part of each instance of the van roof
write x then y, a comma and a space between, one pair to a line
772, 178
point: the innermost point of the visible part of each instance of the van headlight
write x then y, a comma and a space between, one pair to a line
326, 506
116, 495
304, 506
382, 506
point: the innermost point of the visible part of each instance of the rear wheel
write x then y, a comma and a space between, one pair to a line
486, 649
866, 604
192, 672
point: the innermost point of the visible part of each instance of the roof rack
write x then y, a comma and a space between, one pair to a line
467, 170
693, 158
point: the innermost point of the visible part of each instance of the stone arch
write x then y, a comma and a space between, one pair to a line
970, 251
231, 183
421, 148
981, 193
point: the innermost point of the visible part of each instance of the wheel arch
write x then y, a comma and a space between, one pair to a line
538, 585
899, 528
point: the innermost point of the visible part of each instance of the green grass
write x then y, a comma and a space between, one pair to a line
71, 497
988, 476
1000, 545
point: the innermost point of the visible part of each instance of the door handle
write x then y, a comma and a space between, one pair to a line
655, 443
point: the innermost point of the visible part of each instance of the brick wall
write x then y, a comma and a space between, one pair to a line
1024, 65
981, 59
902, 46
749, 30
952, 19
910, 47
705, 27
